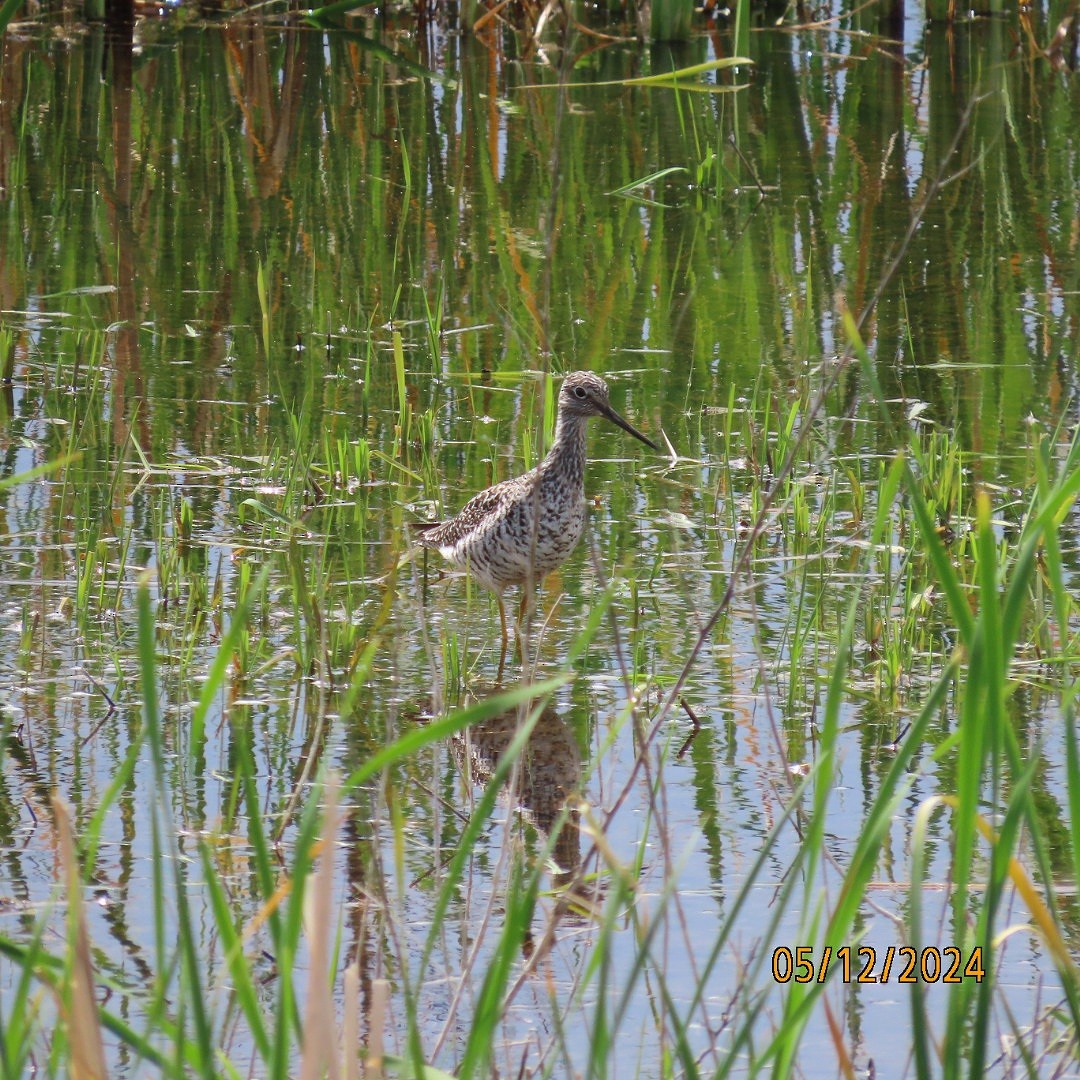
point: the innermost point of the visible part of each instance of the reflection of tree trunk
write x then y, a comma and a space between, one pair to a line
951, 263
789, 152
271, 109
889, 15
13, 55
116, 192
12, 81
120, 18
932, 268
882, 201
270, 95
363, 948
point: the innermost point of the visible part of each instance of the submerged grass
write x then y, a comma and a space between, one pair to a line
996, 589
346, 860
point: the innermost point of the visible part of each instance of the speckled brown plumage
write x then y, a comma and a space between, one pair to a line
518, 531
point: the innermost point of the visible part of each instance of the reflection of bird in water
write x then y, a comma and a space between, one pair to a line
549, 775
518, 531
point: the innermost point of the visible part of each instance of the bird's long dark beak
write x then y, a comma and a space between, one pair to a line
615, 418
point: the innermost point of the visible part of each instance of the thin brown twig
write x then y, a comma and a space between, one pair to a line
802, 435
811, 416
111, 711
694, 730
488, 16
832, 21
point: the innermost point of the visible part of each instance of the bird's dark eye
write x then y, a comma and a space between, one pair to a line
579, 393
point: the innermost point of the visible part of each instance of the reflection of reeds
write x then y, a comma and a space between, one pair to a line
925, 638
7, 354
671, 20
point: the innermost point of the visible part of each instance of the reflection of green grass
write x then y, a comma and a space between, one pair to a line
993, 592
905, 610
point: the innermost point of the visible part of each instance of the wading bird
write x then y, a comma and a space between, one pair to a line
518, 531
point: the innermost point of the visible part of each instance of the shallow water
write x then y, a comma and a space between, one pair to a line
209, 244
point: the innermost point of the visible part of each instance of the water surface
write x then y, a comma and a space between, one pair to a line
209, 243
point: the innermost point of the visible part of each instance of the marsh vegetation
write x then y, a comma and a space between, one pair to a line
270, 294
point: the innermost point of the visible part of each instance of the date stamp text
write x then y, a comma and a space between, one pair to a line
865, 964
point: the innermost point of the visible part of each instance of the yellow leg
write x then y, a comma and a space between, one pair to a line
524, 613
505, 637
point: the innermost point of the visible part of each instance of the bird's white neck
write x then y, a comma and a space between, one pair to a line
567, 452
